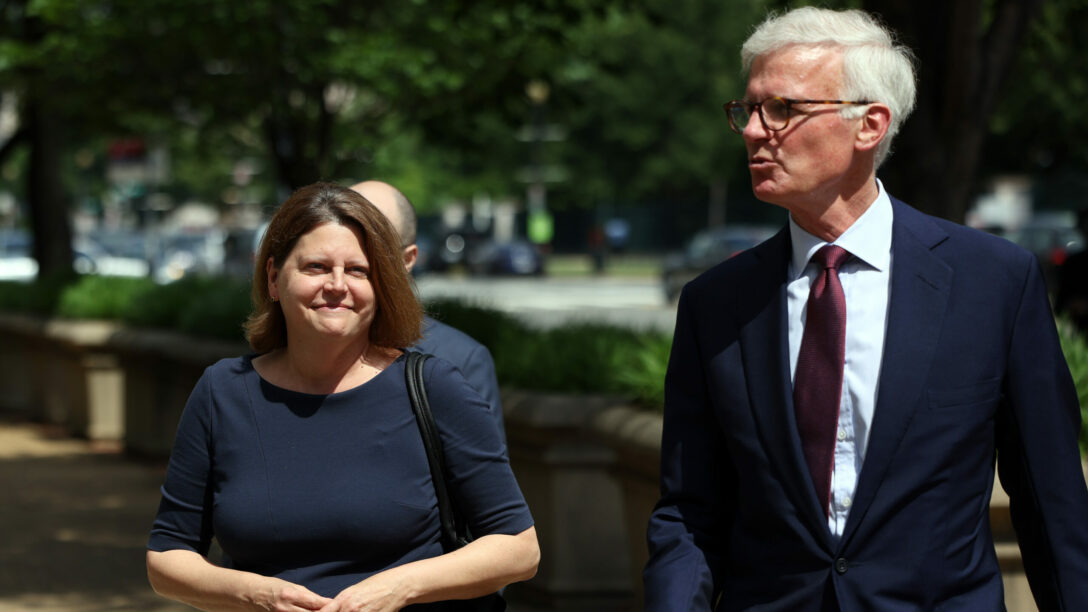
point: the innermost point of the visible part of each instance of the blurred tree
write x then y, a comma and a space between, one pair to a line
313, 87
1040, 125
431, 94
965, 50
639, 90
643, 90
25, 72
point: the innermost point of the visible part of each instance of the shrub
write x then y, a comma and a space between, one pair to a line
1075, 347
40, 297
209, 306
579, 358
100, 297
218, 313
202, 306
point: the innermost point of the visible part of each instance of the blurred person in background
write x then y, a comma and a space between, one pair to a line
304, 460
453, 345
837, 395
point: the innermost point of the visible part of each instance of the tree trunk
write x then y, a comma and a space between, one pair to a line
49, 217
961, 66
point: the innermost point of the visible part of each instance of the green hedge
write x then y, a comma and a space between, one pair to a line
207, 307
1075, 347
579, 358
582, 357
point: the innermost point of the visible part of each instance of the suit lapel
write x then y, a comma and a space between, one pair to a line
765, 349
920, 286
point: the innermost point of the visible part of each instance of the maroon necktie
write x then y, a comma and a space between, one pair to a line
817, 382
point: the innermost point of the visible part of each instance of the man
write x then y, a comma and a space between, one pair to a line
831, 429
439, 339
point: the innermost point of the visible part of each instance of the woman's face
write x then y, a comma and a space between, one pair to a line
324, 286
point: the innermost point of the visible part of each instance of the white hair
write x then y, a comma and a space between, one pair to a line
874, 66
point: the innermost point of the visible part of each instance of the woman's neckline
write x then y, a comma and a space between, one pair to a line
290, 389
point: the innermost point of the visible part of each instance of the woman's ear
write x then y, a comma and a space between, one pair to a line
272, 273
874, 126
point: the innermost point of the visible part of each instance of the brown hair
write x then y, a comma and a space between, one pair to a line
398, 316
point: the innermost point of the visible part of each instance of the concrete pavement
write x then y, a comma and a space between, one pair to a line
73, 524
74, 519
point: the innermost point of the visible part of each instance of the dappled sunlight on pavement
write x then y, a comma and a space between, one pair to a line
73, 524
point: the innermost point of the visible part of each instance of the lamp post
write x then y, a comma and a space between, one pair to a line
540, 227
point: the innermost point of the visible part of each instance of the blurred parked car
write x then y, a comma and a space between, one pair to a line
16, 261
115, 253
426, 255
1052, 237
514, 258
707, 249
240, 246
453, 249
188, 253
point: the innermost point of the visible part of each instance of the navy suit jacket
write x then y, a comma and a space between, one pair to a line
469, 356
972, 371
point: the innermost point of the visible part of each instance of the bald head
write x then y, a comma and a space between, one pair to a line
394, 205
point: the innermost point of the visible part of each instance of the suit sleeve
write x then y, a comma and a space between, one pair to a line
1038, 458
684, 535
479, 371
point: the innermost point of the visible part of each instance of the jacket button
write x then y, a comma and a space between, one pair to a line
841, 566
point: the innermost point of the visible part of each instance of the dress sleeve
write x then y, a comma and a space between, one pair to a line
184, 519
482, 484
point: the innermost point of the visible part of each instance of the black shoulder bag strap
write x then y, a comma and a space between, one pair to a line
454, 533
454, 530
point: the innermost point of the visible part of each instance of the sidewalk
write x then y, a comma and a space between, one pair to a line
73, 524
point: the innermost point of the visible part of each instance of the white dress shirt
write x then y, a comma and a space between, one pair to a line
865, 284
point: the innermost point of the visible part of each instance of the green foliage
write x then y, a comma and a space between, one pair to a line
580, 358
645, 377
211, 307
203, 306
641, 90
218, 312
1075, 347
38, 298
100, 297
81, 297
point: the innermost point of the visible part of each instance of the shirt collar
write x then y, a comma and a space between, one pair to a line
869, 238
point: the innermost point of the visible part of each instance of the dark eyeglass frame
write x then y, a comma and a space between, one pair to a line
749, 107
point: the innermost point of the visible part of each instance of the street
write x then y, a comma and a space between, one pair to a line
547, 302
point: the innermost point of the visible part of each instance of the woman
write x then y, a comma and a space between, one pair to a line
304, 460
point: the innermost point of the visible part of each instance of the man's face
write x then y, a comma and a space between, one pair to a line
802, 166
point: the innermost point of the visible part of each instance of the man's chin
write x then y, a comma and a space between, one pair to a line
765, 192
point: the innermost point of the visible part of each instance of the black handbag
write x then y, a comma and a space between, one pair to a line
454, 530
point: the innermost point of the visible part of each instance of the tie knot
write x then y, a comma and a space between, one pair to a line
830, 256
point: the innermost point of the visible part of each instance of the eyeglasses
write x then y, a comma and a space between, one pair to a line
774, 112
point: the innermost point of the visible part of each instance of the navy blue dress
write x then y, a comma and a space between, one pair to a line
326, 490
